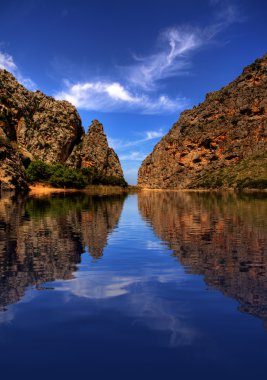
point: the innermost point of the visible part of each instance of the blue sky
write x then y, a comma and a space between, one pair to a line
134, 65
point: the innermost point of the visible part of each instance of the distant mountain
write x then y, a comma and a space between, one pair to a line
219, 144
34, 126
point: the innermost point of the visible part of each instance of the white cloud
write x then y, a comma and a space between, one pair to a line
6, 316
172, 57
7, 63
133, 156
175, 43
148, 135
131, 171
118, 92
154, 134
130, 159
108, 96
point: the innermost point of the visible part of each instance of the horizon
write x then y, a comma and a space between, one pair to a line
135, 81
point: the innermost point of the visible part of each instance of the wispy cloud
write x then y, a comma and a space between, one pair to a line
175, 47
174, 44
133, 152
139, 84
125, 144
154, 134
107, 96
133, 156
7, 63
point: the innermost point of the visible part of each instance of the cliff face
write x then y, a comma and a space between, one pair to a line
12, 172
94, 152
220, 143
47, 128
53, 131
36, 126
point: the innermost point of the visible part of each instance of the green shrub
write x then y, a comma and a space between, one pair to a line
60, 175
38, 171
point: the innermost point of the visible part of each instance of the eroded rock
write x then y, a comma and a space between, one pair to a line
227, 128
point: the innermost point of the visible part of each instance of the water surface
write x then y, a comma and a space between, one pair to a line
149, 286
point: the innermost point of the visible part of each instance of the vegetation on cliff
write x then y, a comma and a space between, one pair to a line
248, 173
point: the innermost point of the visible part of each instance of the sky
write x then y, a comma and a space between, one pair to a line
133, 65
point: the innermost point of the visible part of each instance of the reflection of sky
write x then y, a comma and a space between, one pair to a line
137, 277
134, 276
136, 268
140, 300
133, 307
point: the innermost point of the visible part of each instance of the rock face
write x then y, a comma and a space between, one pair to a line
54, 129
220, 143
36, 126
94, 151
12, 172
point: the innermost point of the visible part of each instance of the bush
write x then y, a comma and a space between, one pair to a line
62, 176
38, 171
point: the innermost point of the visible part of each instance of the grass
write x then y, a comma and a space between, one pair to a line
250, 173
42, 189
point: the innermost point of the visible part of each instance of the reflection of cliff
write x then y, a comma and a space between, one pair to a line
42, 239
98, 221
222, 237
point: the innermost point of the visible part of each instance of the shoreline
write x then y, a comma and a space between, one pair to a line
40, 189
219, 190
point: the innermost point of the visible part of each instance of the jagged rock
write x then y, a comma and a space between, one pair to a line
94, 152
113, 166
208, 144
94, 147
40, 127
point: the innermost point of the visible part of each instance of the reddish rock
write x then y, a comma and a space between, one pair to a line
227, 128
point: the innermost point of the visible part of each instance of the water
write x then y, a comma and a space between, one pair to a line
149, 286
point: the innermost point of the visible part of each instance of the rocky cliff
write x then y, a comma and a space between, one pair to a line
220, 143
95, 152
36, 126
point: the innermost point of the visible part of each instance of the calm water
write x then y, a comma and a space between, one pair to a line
150, 286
